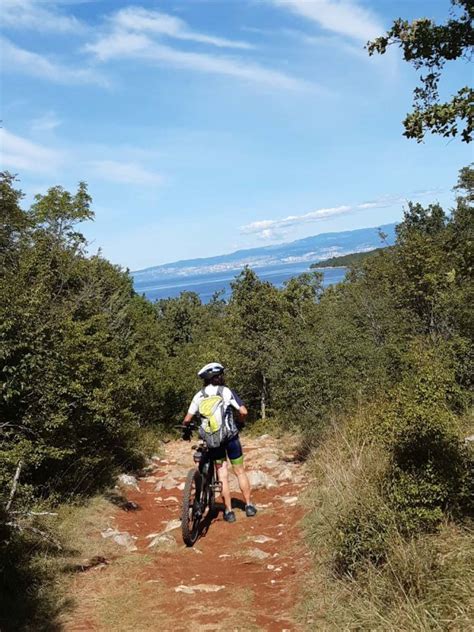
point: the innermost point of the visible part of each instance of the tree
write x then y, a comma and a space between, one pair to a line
301, 290
13, 220
428, 46
255, 329
180, 317
80, 353
58, 212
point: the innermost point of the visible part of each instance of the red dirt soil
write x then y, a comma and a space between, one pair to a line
248, 593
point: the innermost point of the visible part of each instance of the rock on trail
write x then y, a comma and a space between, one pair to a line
122, 539
190, 590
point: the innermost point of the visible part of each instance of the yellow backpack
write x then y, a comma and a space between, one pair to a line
217, 423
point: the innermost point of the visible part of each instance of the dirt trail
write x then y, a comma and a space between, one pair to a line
242, 576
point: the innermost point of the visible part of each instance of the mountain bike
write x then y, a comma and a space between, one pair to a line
199, 494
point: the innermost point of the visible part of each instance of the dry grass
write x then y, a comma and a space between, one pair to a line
115, 597
426, 583
112, 597
346, 468
78, 526
118, 597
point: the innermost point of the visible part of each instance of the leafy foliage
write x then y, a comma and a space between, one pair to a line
429, 46
72, 348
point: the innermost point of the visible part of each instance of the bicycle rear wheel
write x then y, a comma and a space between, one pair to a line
191, 511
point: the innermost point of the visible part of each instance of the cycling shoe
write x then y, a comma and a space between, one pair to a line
229, 516
250, 510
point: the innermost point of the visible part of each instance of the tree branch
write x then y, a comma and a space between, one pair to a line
15, 485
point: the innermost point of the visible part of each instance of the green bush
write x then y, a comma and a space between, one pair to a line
80, 356
369, 573
269, 425
362, 536
429, 463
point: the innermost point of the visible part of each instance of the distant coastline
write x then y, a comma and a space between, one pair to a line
347, 260
205, 286
330, 253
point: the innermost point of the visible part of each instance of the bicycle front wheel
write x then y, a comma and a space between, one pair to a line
191, 511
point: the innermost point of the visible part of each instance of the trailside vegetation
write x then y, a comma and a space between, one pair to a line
90, 370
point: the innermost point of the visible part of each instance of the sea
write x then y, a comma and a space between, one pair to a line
206, 285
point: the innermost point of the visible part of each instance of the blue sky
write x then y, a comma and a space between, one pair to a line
202, 127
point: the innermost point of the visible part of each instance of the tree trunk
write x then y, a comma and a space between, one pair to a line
263, 413
14, 485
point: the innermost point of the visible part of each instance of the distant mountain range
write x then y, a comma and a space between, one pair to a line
309, 249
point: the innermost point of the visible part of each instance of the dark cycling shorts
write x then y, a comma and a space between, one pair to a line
232, 449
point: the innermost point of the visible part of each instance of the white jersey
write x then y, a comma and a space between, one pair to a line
210, 389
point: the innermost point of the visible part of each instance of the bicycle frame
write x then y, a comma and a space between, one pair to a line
199, 493
209, 479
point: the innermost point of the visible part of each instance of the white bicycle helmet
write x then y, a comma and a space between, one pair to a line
210, 370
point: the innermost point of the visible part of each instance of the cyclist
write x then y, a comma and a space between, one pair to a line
212, 375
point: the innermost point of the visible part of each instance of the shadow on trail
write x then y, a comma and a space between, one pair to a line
237, 503
121, 501
29, 601
212, 516
207, 521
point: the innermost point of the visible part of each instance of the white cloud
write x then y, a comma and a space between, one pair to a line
125, 172
45, 123
119, 44
34, 15
265, 228
137, 46
268, 234
138, 19
33, 64
334, 41
19, 153
345, 17
273, 228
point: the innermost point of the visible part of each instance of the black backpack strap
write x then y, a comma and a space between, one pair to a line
203, 392
220, 390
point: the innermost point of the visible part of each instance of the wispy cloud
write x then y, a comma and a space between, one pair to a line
20, 153
273, 228
18, 59
335, 41
45, 123
125, 172
123, 45
35, 15
345, 17
267, 228
138, 19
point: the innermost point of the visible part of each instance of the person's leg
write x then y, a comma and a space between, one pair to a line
236, 457
223, 476
243, 481
219, 456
